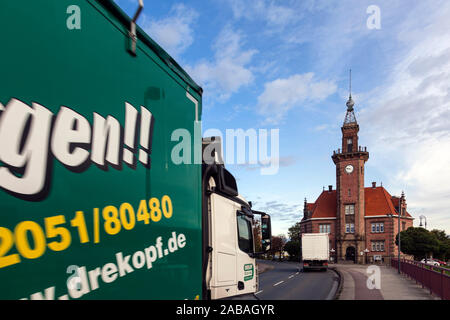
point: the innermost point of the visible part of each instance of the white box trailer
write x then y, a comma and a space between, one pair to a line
315, 251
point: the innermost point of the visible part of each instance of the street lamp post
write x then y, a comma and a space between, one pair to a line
424, 218
400, 211
366, 251
391, 253
399, 231
300, 246
420, 225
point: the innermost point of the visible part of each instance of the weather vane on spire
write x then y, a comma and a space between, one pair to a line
350, 83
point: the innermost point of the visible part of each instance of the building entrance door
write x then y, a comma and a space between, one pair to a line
350, 254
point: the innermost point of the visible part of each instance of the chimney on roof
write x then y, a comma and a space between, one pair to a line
374, 184
330, 188
305, 210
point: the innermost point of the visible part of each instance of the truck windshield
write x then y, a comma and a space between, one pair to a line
245, 237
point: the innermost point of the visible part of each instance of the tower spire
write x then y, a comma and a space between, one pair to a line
350, 116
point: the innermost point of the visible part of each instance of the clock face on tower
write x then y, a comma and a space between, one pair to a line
349, 169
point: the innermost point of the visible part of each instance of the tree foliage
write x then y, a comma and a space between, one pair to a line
294, 232
257, 236
277, 244
420, 243
293, 248
444, 245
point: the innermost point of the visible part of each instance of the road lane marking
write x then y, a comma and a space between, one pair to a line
290, 277
259, 291
278, 283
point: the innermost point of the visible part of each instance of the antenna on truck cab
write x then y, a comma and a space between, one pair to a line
132, 33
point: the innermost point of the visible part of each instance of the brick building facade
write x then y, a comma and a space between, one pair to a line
362, 222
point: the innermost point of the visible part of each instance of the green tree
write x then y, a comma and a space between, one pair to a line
440, 234
444, 252
257, 236
277, 245
293, 248
294, 232
444, 245
418, 242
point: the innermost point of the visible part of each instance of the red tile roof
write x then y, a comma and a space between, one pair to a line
378, 202
325, 206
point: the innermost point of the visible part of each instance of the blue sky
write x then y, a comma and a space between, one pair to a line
267, 64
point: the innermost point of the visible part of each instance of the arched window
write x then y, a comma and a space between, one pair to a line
349, 145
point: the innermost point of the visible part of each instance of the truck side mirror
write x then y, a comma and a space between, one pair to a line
262, 232
266, 229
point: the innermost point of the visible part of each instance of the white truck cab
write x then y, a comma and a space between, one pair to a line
235, 233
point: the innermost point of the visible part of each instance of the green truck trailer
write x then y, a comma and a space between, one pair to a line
92, 203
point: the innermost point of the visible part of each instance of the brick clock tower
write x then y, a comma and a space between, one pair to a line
362, 222
349, 161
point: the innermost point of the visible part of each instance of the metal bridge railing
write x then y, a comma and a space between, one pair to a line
436, 279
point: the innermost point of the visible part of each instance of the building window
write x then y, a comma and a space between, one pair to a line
349, 145
378, 246
350, 228
245, 236
349, 192
325, 228
403, 226
349, 209
378, 227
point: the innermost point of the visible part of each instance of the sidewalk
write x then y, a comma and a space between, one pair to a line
392, 285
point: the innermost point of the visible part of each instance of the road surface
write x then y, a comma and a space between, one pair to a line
286, 281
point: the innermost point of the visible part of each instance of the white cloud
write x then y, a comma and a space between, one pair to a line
229, 70
408, 119
321, 127
174, 32
283, 162
283, 214
275, 14
281, 95
261, 9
